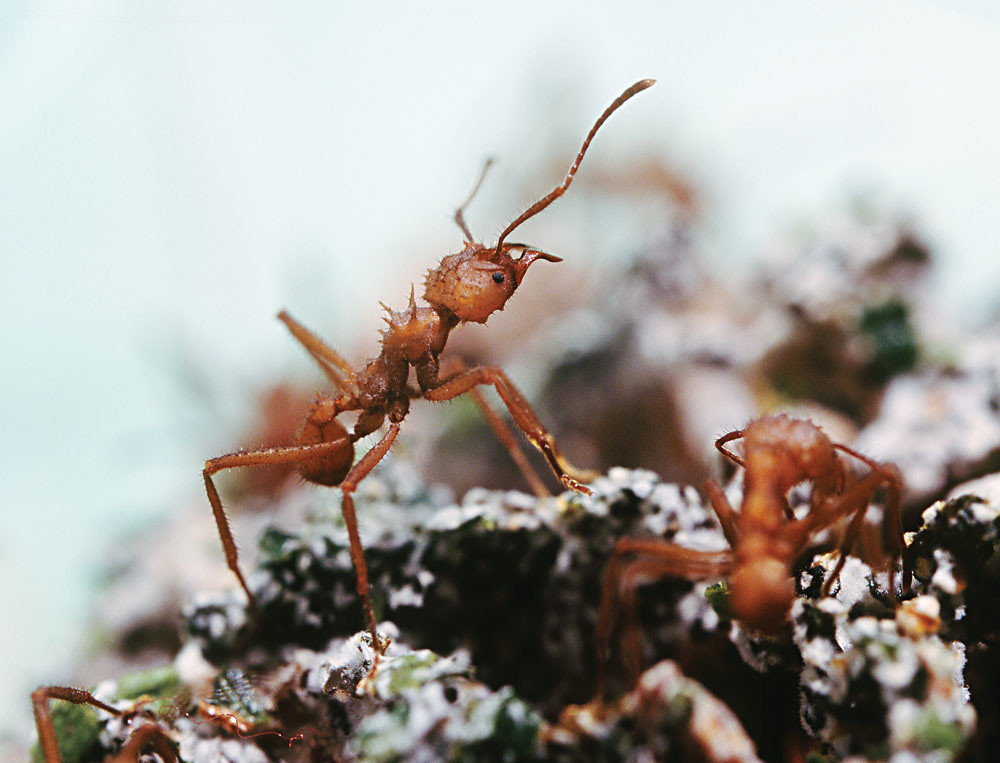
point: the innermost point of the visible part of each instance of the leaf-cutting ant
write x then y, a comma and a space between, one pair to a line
468, 286
765, 537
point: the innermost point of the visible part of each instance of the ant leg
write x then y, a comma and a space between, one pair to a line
148, 735
846, 543
734, 435
523, 415
893, 482
657, 558
40, 697
285, 455
501, 431
724, 511
854, 502
333, 365
358, 472
506, 438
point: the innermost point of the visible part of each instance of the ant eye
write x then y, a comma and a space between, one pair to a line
498, 278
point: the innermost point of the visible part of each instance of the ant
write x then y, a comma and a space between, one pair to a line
149, 736
468, 286
765, 537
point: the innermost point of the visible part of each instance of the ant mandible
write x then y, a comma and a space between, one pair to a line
764, 537
468, 286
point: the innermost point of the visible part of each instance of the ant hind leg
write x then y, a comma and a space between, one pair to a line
293, 454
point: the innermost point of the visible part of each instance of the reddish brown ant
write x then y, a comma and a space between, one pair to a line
764, 537
468, 286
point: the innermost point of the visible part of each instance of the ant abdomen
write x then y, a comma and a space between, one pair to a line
327, 467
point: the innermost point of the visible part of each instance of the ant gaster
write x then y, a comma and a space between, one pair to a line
765, 537
468, 286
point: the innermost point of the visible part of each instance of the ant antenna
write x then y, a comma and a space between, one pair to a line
459, 213
559, 190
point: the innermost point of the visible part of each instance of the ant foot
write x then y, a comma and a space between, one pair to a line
572, 484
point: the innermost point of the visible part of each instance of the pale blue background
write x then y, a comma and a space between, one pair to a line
172, 173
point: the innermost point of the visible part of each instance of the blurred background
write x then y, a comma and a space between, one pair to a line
171, 175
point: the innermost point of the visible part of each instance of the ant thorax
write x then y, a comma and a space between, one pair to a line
414, 333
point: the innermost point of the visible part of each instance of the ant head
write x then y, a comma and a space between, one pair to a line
797, 450
761, 594
478, 281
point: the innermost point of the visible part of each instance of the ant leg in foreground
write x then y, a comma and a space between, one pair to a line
523, 415
656, 559
292, 454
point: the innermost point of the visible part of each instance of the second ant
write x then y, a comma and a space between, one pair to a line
467, 286
765, 536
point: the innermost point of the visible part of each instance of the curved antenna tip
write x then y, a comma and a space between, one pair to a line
643, 84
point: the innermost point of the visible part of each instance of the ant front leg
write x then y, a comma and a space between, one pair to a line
506, 438
502, 432
523, 415
729, 437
